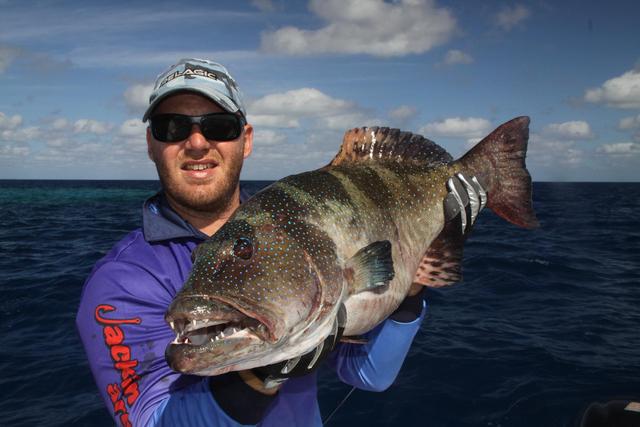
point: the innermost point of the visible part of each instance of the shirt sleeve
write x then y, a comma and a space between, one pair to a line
375, 365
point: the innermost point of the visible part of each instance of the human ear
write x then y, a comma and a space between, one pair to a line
248, 140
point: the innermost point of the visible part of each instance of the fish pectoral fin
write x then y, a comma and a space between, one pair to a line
356, 339
441, 265
370, 268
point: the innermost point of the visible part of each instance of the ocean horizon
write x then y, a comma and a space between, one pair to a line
544, 322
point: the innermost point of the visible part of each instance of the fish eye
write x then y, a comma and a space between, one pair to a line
243, 248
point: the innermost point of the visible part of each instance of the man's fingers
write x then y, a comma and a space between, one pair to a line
474, 198
481, 192
291, 363
457, 189
466, 197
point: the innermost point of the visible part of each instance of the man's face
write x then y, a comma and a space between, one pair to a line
180, 164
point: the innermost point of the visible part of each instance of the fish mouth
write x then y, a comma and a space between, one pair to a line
209, 331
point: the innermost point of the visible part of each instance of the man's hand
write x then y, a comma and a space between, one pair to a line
466, 198
274, 375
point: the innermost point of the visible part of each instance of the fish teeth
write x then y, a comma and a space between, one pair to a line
172, 325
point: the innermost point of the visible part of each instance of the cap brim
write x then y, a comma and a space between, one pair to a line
220, 100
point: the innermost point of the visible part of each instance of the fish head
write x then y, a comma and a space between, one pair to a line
252, 287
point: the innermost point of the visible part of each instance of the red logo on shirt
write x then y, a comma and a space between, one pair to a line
125, 394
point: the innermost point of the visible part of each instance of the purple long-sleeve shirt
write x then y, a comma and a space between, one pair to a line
121, 323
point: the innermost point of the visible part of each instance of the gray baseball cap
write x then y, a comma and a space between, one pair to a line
201, 76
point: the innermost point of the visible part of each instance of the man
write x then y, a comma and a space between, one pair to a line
198, 138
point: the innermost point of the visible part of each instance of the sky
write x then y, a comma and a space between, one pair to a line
75, 79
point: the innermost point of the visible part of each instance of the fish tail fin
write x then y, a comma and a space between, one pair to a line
506, 178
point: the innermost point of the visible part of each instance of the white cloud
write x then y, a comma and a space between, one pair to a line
264, 5
60, 123
267, 137
15, 137
136, 97
133, 128
372, 27
300, 102
570, 130
549, 152
403, 113
14, 151
287, 109
91, 126
21, 134
311, 151
455, 56
619, 92
624, 149
60, 145
57, 141
509, 17
458, 127
629, 123
9, 123
273, 120
345, 121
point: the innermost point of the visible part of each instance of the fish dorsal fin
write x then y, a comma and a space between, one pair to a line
388, 145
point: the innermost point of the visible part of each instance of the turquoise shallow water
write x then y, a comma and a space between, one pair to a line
545, 321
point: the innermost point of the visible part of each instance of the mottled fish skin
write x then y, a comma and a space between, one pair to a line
303, 229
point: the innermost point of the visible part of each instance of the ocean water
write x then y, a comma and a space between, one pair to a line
544, 322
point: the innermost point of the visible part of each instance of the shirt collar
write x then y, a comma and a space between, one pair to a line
160, 222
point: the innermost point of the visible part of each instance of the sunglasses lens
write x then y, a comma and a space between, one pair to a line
221, 127
176, 127
170, 127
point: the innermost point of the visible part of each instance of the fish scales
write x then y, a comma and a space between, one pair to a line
280, 269
394, 202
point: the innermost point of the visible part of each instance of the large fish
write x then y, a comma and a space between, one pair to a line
351, 237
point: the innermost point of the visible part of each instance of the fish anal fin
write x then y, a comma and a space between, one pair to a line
370, 268
441, 265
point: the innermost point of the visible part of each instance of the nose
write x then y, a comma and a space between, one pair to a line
196, 140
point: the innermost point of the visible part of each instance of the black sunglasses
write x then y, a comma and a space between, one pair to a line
214, 126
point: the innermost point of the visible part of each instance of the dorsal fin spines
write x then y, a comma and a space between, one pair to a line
382, 144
